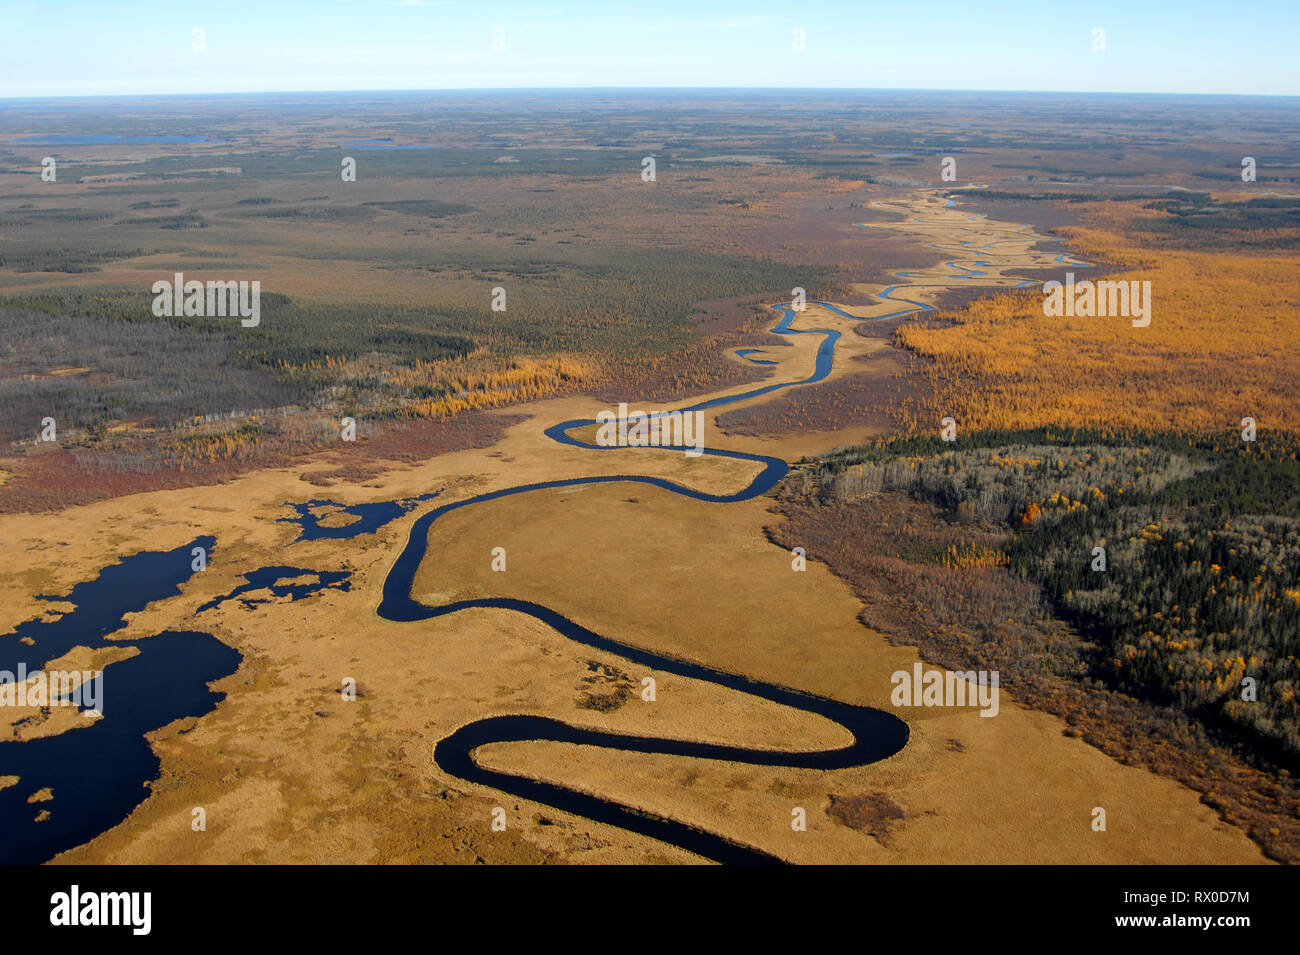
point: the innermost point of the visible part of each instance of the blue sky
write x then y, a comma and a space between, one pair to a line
53, 48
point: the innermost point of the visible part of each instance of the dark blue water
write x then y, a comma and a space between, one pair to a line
102, 605
368, 517
99, 772
270, 579
746, 352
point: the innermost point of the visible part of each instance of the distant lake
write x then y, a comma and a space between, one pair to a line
98, 139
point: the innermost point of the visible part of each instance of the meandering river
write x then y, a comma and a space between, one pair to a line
876, 734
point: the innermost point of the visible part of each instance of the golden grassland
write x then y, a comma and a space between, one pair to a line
1223, 344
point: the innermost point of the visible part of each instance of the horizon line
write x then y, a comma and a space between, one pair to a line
629, 89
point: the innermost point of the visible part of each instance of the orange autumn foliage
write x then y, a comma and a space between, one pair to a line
1223, 344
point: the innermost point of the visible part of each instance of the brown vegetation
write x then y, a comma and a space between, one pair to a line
872, 813
866, 398
59, 478
891, 549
